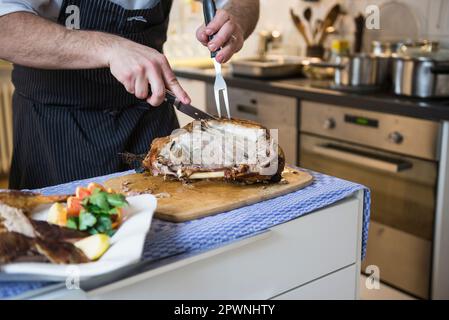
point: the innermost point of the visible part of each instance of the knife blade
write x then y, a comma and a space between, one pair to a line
187, 109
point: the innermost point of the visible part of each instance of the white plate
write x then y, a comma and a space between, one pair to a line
126, 246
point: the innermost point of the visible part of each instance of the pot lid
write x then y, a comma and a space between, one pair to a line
417, 54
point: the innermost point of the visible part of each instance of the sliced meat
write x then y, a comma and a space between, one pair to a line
13, 245
46, 230
27, 200
14, 220
21, 238
229, 149
60, 252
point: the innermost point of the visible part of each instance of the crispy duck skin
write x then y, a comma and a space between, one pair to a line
158, 164
20, 236
13, 245
47, 230
59, 252
27, 200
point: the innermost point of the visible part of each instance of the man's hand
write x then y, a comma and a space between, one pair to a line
228, 35
230, 27
140, 69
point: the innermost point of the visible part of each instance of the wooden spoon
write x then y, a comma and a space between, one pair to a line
329, 21
308, 16
299, 26
317, 29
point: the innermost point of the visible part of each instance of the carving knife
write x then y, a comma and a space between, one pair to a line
187, 109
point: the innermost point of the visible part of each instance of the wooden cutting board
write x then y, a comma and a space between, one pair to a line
178, 202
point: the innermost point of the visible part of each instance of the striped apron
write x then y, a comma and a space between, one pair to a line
72, 124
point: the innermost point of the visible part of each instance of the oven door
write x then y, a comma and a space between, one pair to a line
403, 204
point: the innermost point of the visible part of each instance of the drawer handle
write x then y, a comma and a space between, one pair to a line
247, 109
361, 158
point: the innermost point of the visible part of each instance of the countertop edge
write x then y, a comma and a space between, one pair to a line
392, 105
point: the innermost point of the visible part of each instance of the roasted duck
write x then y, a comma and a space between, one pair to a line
13, 246
21, 236
27, 200
228, 149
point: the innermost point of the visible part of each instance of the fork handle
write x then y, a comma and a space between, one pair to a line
210, 10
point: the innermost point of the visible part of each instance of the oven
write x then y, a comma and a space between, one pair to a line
396, 158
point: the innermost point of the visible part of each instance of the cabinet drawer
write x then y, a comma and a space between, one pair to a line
341, 285
294, 254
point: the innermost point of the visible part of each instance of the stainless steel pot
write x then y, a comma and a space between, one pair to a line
422, 75
390, 47
360, 70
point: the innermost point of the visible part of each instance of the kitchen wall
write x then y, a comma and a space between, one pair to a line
431, 18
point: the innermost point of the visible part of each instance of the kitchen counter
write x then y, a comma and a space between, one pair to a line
293, 246
318, 91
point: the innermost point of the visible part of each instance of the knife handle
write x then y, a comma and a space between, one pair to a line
210, 10
171, 99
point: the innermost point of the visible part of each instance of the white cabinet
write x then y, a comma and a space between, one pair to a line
340, 285
290, 255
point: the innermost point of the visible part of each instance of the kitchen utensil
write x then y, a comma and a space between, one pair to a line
382, 47
270, 66
210, 10
379, 47
308, 16
317, 29
179, 202
360, 29
329, 21
315, 51
299, 26
359, 70
421, 74
187, 109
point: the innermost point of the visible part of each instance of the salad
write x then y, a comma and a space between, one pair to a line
93, 209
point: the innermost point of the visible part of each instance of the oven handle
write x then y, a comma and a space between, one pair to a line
362, 160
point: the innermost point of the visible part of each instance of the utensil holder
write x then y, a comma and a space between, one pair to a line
315, 51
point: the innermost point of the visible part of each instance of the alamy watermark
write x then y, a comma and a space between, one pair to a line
73, 275
372, 17
216, 147
372, 281
73, 21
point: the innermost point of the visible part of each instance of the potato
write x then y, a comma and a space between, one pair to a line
57, 214
94, 246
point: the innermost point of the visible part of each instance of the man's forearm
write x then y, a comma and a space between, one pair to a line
32, 41
35, 42
246, 14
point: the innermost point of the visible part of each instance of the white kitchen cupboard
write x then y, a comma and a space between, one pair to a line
338, 285
316, 256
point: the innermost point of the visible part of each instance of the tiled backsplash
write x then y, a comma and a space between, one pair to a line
432, 19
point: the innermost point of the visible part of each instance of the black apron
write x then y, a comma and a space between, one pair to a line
72, 124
